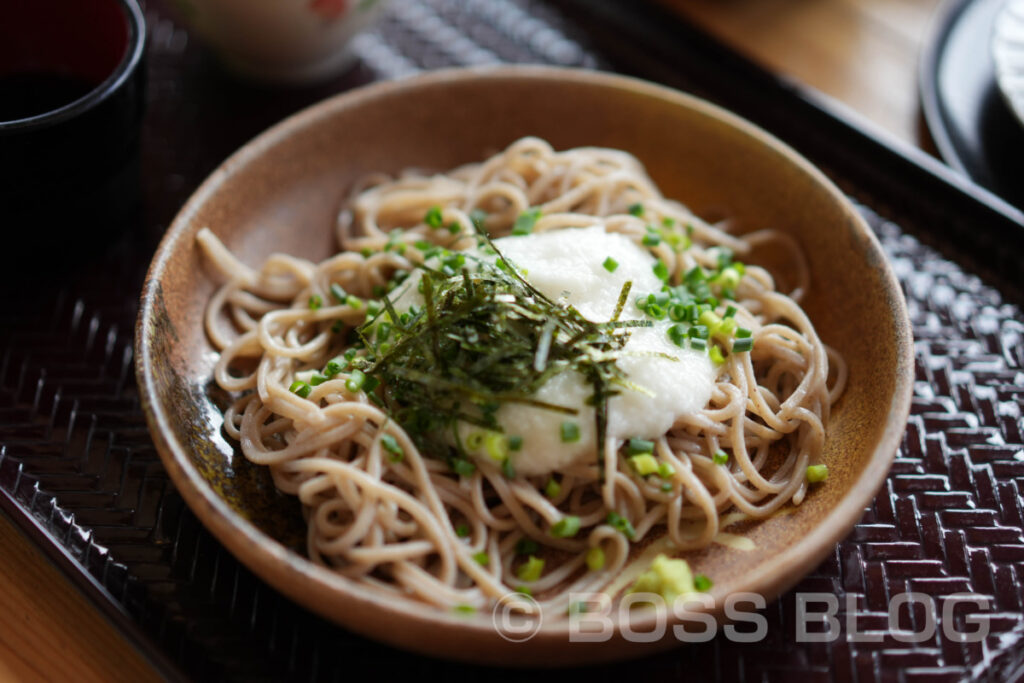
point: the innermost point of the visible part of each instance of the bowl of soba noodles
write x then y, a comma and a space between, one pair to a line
558, 375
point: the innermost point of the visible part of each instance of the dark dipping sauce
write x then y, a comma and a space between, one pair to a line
24, 95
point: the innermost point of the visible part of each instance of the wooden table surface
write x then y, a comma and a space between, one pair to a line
862, 52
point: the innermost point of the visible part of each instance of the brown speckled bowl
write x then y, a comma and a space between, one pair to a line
281, 192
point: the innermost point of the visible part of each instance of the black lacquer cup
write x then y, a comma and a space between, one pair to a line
72, 95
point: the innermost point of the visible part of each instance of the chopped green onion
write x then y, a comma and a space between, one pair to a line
390, 444
552, 488
300, 388
338, 293
355, 381
462, 530
743, 333
666, 487
525, 221
610, 264
636, 209
494, 444
333, 367
482, 558
525, 590
660, 270
741, 345
315, 302
698, 344
567, 527
433, 217
677, 333
464, 609
353, 302
526, 546
678, 313
515, 443
720, 457
665, 470
475, 440
644, 464
507, 469
729, 312
699, 331
595, 559
651, 239
570, 432
716, 355
638, 446
817, 473
316, 379
531, 569
620, 523
702, 583
463, 467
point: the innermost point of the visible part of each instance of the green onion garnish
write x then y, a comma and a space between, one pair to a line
644, 464
720, 457
300, 388
817, 473
552, 488
507, 469
660, 270
610, 264
464, 609
570, 432
621, 524
595, 558
567, 527
651, 239
315, 302
390, 444
741, 345
716, 355
526, 546
515, 443
702, 583
525, 221
462, 530
638, 446
482, 558
463, 467
433, 217
531, 569
338, 293
355, 381
636, 209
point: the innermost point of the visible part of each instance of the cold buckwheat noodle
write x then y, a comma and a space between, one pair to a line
407, 479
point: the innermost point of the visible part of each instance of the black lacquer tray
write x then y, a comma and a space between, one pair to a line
78, 470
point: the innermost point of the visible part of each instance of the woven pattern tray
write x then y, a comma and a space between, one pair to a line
77, 461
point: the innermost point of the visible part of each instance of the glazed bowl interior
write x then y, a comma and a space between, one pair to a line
282, 192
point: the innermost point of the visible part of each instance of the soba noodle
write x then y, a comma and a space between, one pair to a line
403, 513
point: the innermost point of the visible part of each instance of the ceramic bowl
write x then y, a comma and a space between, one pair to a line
282, 191
282, 41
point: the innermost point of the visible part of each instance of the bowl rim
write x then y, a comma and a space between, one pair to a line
130, 60
273, 561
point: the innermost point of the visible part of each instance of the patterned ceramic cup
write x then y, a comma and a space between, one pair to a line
282, 41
